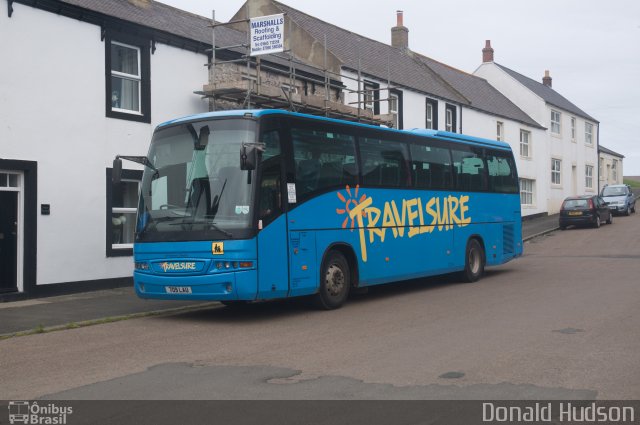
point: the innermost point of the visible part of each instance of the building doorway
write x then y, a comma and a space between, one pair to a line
11, 242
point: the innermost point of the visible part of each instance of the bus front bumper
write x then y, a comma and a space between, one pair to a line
234, 285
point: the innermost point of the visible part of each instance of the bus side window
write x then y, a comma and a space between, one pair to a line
431, 167
324, 159
502, 175
384, 163
468, 165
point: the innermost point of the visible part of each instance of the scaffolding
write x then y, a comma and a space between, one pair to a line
249, 90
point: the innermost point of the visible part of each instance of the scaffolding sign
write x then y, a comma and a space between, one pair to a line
267, 34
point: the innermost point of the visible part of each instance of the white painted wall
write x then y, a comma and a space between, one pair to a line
606, 176
479, 124
575, 154
52, 110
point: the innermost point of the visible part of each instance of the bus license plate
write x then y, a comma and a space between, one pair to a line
178, 289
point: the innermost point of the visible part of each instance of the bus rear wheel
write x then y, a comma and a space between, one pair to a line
335, 281
474, 261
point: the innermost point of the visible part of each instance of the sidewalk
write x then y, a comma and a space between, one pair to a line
69, 311
539, 226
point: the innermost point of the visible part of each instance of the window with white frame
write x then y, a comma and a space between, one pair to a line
525, 144
614, 171
128, 88
556, 167
499, 131
429, 116
9, 180
393, 109
555, 122
369, 96
526, 191
432, 115
126, 78
451, 122
573, 129
588, 176
588, 133
122, 202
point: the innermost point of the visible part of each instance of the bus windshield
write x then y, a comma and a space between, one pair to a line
196, 189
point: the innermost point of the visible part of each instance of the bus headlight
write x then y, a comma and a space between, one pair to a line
141, 265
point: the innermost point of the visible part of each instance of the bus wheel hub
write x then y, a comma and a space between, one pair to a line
334, 280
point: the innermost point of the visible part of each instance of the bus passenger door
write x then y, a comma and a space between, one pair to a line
273, 261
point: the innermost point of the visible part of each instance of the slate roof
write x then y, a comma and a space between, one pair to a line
376, 59
609, 151
549, 95
171, 20
480, 93
409, 69
162, 17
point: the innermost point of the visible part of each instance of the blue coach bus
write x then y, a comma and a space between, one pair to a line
249, 205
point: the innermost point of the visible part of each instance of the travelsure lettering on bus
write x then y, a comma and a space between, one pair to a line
411, 217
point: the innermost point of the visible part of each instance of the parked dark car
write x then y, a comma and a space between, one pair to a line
620, 198
589, 210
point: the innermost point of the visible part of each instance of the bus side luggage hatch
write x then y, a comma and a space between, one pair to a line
304, 273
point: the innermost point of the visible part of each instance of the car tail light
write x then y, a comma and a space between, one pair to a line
591, 203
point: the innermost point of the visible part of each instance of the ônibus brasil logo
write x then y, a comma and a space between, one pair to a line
25, 412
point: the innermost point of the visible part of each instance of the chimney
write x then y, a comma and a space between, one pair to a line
546, 80
487, 52
400, 34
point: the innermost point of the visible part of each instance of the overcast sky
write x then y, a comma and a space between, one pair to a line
590, 47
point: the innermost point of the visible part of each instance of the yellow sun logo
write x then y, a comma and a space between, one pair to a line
349, 204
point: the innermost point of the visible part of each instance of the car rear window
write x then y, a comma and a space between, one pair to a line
576, 203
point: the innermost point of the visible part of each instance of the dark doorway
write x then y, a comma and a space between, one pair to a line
8, 241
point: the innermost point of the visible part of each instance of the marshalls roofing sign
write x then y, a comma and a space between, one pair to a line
267, 34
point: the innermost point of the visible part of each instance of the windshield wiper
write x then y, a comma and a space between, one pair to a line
206, 222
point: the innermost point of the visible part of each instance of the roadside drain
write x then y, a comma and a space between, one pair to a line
451, 375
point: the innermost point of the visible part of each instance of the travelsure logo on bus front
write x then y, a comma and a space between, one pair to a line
410, 217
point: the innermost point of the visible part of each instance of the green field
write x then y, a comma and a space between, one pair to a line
633, 183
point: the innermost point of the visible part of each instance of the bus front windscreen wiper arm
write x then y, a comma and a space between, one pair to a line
206, 222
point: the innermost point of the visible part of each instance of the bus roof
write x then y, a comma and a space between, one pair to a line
436, 134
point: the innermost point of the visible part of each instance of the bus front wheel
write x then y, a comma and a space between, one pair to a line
474, 261
335, 281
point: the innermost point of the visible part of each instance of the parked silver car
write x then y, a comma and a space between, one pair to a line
620, 198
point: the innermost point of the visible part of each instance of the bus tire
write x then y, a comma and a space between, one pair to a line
474, 261
335, 281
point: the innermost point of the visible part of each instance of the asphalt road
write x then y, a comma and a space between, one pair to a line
562, 322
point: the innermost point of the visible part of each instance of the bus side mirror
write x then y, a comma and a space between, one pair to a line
248, 157
116, 173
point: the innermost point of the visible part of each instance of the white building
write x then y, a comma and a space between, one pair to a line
610, 167
84, 80
417, 91
566, 159
80, 82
